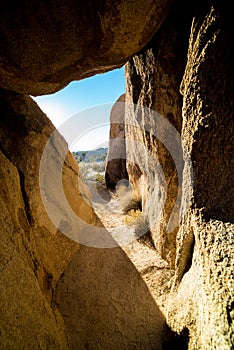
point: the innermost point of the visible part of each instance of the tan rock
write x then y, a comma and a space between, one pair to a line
105, 303
34, 252
27, 319
202, 298
116, 158
153, 80
200, 306
46, 45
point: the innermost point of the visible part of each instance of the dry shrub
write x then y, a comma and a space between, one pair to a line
131, 216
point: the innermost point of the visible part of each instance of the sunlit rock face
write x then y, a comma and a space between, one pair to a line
153, 127
116, 158
45, 45
34, 252
193, 88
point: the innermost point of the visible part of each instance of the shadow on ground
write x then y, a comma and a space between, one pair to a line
106, 305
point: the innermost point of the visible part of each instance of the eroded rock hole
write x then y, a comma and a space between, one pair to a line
174, 341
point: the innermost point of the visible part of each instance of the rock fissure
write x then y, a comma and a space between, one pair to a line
25, 198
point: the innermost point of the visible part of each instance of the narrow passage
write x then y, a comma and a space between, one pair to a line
155, 271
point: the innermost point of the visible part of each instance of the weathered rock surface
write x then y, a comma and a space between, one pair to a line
153, 80
202, 299
45, 45
33, 251
116, 158
26, 317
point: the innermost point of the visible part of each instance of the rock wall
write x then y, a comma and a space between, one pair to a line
200, 306
33, 252
116, 158
153, 79
27, 318
204, 283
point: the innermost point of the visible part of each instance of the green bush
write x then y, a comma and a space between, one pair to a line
100, 178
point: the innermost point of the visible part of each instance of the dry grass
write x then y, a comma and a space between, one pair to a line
132, 216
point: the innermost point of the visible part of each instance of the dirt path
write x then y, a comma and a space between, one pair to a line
115, 298
154, 270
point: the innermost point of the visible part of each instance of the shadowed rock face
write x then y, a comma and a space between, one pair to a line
45, 45
26, 317
116, 159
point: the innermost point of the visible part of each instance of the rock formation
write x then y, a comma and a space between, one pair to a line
33, 252
106, 305
56, 294
45, 45
200, 304
204, 282
153, 79
116, 158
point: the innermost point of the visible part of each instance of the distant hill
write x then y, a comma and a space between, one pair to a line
98, 155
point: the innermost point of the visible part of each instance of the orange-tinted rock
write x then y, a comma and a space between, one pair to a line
202, 298
116, 158
200, 306
153, 81
45, 45
33, 251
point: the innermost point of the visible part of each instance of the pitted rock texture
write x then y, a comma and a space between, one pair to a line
153, 80
45, 45
200, 306
202, 298
27, 319
116, 158
34, 252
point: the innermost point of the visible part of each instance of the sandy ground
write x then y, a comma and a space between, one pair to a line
155, 271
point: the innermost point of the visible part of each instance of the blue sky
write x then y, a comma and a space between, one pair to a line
82, 95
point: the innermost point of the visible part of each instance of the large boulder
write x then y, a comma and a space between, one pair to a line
27, 319
45, 45
34, 252
116, 158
